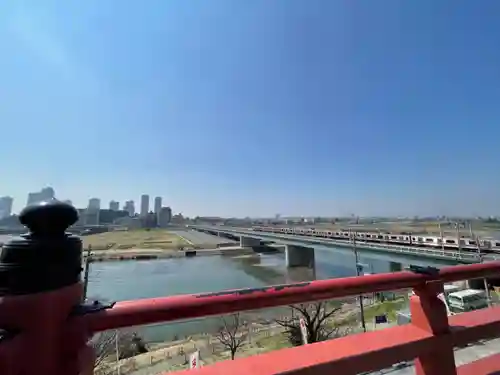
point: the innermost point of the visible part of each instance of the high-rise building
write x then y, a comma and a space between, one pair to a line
157, 205
6, 206
46, 194
164, 217
114, 205
94, 204
144, 204
129, 206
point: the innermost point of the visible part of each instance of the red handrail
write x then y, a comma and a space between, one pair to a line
167, 309
43, 318
45, 329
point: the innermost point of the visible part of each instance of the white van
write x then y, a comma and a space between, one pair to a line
448, 288
467, 300
451, 288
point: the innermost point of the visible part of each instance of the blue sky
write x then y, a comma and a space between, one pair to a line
254, 107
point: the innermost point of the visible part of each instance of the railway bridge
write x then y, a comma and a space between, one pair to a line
247, 237
46, 326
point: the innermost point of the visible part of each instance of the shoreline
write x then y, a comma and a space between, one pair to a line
148, 254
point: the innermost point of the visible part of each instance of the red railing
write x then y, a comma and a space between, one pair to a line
429, 339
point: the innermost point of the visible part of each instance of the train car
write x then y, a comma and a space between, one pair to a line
488, 245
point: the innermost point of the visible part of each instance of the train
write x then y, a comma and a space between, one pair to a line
486, 245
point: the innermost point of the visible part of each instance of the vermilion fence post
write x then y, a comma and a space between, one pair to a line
40, 289
429, 313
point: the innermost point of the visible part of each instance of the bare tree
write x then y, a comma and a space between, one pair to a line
230, 335
108, 344
315, 317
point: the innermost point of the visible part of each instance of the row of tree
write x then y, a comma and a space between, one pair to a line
111, 346
315, 315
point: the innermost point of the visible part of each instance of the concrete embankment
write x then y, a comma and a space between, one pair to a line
138, 254
146, 254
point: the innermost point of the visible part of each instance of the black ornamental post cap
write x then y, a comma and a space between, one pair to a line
49, 218
45, 259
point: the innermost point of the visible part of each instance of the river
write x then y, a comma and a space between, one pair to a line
127, 280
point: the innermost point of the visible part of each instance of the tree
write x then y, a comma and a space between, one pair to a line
315, 317
229, 334
105, 345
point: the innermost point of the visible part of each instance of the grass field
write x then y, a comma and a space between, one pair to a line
388, 308
134, 239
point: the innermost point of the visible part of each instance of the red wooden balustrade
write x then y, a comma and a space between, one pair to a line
50, 343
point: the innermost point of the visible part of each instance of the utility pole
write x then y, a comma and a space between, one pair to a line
117, 353
457, 224
86, 275
480, 256
361, 306
441, 234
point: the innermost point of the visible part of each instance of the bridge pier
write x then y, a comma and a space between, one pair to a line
300, 274
299, 256
395, 267
249, 241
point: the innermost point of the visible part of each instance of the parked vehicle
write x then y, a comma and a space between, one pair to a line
467, 300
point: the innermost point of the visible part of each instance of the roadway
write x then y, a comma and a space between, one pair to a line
462, 356
201, 238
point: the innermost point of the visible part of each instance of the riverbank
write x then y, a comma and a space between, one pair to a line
260, 337
138, 238
147, 254
132, 254
144, 244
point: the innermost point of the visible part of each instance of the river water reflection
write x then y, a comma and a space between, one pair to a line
155, 278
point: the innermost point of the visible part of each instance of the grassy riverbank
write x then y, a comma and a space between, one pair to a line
260, 338
131, 239
133, 254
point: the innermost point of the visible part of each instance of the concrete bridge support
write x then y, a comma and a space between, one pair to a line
249, 241
395, 267
299, 256
300, 274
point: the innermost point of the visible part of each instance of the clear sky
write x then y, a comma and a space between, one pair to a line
254, 107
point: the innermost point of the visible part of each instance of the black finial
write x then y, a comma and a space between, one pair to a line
49, 218
45, 259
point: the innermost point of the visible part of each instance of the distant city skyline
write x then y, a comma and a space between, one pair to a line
241, 109
94, 203
5, 206
144, 203
152, 205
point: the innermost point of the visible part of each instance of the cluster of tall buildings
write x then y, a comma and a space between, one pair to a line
160, 215
6, 206
6, 203
45, 194
129, 206
145, 205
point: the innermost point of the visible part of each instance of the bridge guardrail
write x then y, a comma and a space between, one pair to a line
461, 256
